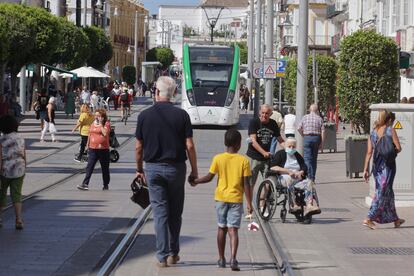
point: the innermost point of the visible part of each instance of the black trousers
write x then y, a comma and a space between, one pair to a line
104, 158
84, 140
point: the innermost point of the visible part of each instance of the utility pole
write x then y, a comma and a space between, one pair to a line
315, 76
302, 71
257, 49
85, 12
250, 56
78, 13
136, 41
269, 49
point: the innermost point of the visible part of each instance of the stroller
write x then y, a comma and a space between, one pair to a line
113, 143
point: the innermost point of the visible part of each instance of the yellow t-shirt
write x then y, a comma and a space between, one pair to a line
231, 169
85, 119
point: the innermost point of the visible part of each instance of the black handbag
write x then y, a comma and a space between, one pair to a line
140, 194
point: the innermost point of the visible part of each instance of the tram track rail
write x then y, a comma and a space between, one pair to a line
118, 254
275, 248
65, 179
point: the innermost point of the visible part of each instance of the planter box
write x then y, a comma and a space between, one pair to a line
330, 138
355, 150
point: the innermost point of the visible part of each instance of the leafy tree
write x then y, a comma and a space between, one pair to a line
129, 74
73, 50
47, 34
100, 47
243, 51
163, 55
368, 73
187, 31
17, 39
327, 68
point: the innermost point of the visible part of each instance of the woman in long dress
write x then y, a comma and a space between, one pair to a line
383, 204
70, 103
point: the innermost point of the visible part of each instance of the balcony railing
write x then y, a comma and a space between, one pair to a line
317, 40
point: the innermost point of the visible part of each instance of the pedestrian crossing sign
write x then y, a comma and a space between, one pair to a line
398, 125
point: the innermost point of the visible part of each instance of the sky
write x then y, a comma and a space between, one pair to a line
152, 5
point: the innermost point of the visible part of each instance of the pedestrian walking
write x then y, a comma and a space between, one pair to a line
98, 149
49, 121
94, 100
289, 123
383, 170
12, 166
233, 170
312, 129
164, 140
70, 103
41, 106
86, 118
85, 96
115, 95
278, 118
261, 131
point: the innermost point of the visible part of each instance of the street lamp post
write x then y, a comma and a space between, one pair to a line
269, 50
250, 54
302, 70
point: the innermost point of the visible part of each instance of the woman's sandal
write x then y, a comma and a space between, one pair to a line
19, 225
369, 224
398, 223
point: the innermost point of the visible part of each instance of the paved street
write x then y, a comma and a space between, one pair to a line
69, 232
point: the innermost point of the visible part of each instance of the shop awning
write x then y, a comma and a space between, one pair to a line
60, 70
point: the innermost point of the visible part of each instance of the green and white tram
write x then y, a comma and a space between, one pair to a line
210, 89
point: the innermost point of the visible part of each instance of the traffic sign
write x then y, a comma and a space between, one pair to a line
258, 70
269, 68
281, 68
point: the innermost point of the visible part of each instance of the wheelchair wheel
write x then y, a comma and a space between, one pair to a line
266, 200
114, 156
283, 215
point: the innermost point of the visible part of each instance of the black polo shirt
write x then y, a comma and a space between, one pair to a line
163, 130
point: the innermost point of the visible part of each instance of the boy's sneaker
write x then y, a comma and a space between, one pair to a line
83, 187
105, 187
221, 263
78, 159
234, 265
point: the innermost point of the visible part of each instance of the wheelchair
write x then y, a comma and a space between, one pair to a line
271, 193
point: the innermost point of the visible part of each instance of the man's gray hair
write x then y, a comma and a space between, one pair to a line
267, 106
166, 86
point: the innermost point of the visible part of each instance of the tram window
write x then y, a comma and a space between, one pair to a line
204, 75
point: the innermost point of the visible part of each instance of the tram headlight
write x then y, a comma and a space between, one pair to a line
190, 96
230, 97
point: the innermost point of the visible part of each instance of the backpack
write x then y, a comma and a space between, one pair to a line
124, 97
385, 149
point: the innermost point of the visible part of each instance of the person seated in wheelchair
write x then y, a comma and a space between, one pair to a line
290, 166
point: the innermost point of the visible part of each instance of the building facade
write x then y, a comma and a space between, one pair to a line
120, 19
320, 30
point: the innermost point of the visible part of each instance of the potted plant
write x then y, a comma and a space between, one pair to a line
329, 141
355, 149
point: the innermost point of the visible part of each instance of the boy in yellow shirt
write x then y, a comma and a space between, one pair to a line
233, 171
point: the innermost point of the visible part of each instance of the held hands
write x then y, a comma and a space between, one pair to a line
192, 179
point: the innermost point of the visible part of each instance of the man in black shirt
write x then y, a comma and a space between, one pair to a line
261, 131
164, 140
